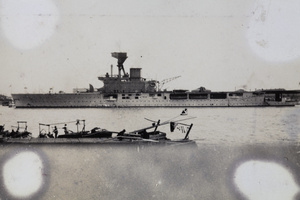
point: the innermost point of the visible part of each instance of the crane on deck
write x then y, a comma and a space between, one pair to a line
163, 82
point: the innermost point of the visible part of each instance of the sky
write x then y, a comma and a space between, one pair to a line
223, 45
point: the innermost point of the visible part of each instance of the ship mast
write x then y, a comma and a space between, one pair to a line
121, 59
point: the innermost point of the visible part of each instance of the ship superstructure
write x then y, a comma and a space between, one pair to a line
131, 90
126, 83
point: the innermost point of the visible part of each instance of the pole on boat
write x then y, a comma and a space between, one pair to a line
188, 132
157, 125
77, 123
83, 128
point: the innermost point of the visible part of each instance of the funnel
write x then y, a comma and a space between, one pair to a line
120, 56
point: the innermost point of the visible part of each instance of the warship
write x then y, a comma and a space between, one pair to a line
132, 90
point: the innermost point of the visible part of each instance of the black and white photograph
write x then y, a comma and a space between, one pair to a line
163, 100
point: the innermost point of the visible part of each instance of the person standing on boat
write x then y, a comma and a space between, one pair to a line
55, 131
65, 129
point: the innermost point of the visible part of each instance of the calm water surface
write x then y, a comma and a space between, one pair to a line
211, 125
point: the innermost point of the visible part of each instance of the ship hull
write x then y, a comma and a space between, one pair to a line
162, 99
132, 90
281, 103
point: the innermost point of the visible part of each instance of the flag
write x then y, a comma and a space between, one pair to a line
172, 126
184, 128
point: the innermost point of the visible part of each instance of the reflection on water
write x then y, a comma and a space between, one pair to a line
137, 172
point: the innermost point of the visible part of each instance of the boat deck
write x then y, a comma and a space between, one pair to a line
92, 141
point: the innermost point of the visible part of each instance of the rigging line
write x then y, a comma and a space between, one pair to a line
169, 120
60, 123
161, 124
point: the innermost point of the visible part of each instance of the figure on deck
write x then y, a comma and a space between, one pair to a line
66, 129
42, 135
55, 131
13, 133
50, 135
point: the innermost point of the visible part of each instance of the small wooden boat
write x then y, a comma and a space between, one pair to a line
20, 132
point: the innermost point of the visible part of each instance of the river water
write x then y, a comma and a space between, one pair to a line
211, 125
241, 153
